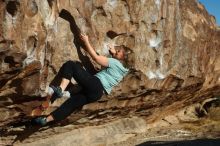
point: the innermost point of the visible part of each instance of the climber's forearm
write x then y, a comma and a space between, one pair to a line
91, 50
102, 60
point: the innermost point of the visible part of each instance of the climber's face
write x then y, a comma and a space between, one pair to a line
118, 53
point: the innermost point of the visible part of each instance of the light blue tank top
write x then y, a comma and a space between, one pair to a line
112, 75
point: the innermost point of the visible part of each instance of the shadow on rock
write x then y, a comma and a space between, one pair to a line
66, 15
23, 129
198, 142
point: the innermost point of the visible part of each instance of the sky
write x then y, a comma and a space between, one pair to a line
213, 7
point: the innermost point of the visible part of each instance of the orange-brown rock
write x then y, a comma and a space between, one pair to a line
171, 93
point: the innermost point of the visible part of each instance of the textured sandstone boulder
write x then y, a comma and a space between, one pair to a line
164, 37
174, 56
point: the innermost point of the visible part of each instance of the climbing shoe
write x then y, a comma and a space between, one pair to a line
57, 93
42, 121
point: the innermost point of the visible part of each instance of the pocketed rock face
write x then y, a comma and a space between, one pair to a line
173, 48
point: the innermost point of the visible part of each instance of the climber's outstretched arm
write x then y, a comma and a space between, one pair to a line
102, 60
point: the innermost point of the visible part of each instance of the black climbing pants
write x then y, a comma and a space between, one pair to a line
92, 89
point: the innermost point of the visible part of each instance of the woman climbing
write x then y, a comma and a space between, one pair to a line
93, 86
